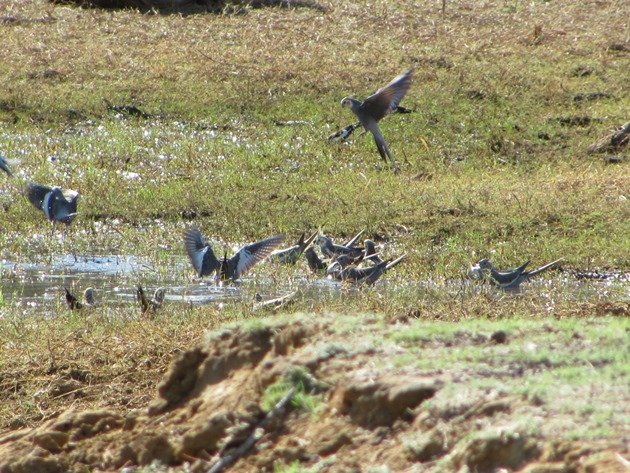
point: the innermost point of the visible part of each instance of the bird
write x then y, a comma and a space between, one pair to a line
367, 275
353, 241
58, 205
314, 262
4, 165
510, 279
73, 303
330, 249
339, 262
205, 262
150, 306
376, 106
292, 254
370, 252
343, 134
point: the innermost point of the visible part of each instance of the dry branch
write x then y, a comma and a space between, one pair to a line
256, 434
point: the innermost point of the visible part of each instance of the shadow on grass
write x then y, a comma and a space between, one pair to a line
190, 7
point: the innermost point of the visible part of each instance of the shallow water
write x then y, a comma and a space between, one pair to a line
115, 277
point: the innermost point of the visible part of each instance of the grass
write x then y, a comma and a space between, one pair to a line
489, 169
477, 178
303, 399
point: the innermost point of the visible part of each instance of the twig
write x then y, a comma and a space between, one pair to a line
256, 434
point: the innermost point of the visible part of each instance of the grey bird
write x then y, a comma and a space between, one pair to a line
314, 262
74, 304
150, 306
370, 252
4, 165
510, 279
343, 134
58, 205
330, 249
376, 106
292, 254
339, 262
205, 262
368, 275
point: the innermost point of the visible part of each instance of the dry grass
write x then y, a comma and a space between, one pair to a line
488, 165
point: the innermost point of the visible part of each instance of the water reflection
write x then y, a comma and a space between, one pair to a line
114, 278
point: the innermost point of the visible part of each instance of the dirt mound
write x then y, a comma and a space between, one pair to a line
349, 412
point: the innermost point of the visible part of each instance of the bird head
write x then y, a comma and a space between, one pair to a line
88, 296
484, 264
158, 296
348, 102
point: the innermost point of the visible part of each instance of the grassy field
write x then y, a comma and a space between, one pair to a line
507, 97
490, 164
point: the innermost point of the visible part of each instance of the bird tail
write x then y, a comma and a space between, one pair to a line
544, 268
398, 260
383, 149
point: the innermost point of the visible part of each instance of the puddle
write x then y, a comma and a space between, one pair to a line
114, 278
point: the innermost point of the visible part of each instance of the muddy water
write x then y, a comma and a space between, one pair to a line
114, 279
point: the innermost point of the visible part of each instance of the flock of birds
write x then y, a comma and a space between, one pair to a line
347, 262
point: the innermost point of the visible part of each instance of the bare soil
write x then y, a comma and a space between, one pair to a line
370, 410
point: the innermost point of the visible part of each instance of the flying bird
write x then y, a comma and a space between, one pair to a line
205, 262
510, 279
376, 106
58, 205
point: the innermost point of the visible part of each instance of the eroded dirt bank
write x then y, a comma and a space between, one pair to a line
371, 393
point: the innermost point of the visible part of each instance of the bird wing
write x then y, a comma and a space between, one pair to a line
249, 255
142, 299
314, 262
544, 268
353, 240
63, 205
387, 98
36, 194
71, 300
4, 165
200, 253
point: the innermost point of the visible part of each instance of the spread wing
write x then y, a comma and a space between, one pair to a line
200, 253
36, 194
386, 99
249, 255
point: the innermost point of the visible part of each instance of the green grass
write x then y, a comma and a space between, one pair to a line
477, 179
303, 399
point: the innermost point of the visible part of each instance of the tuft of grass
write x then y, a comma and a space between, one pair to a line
303, 399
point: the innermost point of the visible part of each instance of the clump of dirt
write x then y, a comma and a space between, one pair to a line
351, 412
